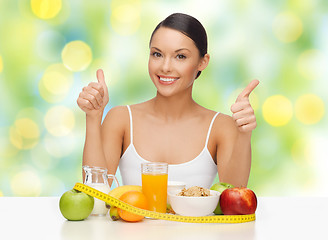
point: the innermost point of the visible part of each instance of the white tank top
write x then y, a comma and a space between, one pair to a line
200, 171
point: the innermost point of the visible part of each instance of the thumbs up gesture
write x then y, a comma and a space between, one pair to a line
94, 97
242, 111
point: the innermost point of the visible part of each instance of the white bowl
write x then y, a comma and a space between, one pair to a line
194, 206
175, 185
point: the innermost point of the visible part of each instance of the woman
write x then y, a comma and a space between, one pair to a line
196, 142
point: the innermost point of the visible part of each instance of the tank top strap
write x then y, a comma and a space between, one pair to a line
131, 125
209, 130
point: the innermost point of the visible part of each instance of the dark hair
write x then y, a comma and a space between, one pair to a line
190, 27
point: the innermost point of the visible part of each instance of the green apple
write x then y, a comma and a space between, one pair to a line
76, 205
220, 187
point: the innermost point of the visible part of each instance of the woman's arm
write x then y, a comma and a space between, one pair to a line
93, 153
113, 129
234, 155
103, 142
234, 142
92, 100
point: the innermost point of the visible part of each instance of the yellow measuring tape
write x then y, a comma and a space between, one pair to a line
163, 216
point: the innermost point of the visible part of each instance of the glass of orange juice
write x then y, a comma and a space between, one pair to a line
154, 185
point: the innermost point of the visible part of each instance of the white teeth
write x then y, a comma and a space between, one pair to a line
168, 79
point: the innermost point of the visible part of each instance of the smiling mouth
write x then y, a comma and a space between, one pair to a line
167, 80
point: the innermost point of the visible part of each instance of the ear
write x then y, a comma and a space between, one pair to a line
204, 62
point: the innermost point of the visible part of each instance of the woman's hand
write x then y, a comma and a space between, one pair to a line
94, 97
242, 111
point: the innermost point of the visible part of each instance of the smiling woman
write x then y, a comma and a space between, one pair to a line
174, 61
196, 142
188, 26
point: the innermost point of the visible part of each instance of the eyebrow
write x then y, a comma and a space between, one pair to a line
174, 51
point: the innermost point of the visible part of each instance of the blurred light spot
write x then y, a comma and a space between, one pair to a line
24, 134
287, 27
277, 110
309, 109
27, 128
125, 17
76, 56
7, 149
46, 9
59, 121
48, 44
301, 152
15, 138
31, 113
55, 83
59, 146
312, 64
57, 79
26, 184
304, 6
1, 64
1, 194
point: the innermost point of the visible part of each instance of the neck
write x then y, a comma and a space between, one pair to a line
173, 107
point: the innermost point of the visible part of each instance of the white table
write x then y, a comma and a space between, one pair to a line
276, 218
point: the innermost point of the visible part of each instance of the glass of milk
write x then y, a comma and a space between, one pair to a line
97, 178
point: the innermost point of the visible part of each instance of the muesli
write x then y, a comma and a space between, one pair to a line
195, 192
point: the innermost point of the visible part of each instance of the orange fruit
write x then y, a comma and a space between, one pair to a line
136, 199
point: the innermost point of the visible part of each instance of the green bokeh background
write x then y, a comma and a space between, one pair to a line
281, 43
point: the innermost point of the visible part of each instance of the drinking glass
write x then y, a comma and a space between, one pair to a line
154, 185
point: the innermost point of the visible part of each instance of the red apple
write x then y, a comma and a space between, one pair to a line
238, 201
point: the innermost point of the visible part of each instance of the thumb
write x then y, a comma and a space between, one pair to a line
247, 91
101, 79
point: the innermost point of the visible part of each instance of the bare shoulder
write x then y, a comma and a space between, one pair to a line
117, 117
224, 127
117, 112
221, 123
224, 119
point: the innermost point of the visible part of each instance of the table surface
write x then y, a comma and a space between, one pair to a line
276, 218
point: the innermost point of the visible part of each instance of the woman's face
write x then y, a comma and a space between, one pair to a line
174, 61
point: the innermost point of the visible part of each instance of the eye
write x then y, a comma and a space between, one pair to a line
181, 56
156, 54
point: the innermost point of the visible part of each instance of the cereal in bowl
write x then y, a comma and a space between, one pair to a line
195, 192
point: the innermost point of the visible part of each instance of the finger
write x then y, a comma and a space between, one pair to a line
250, 87
246, 120
101, 80
98, 87
84, 104
248, 127
91, 98
238, 106
94, 92
101, 77
243, 113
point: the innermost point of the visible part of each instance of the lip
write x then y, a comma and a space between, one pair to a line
169, 79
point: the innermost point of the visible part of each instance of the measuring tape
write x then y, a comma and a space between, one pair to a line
163, 216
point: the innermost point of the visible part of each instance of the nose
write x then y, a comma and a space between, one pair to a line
167, 65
